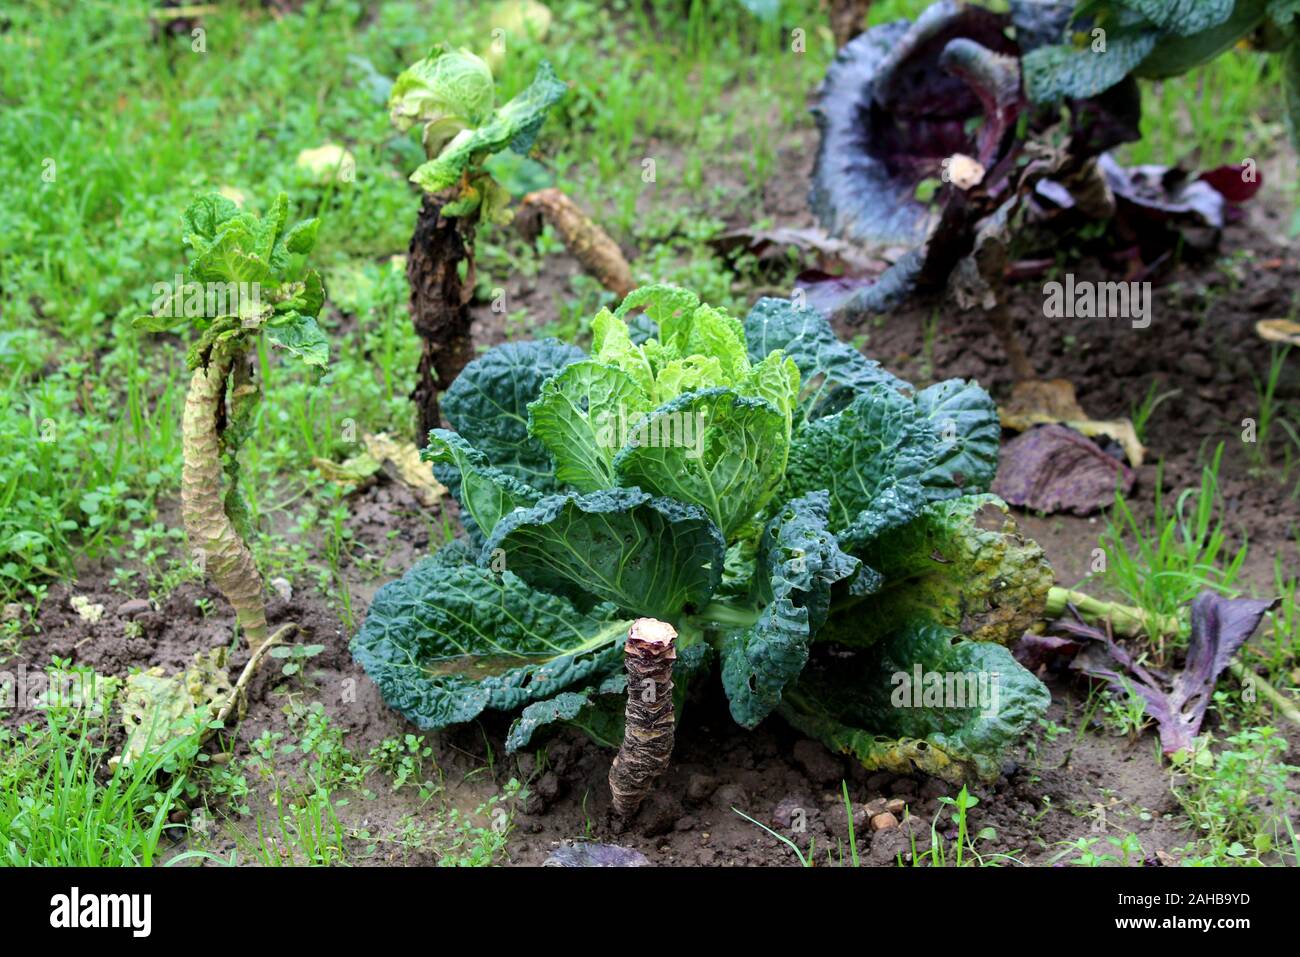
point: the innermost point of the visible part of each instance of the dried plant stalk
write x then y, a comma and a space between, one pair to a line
648, 735
208, 521
440, 305
588, 243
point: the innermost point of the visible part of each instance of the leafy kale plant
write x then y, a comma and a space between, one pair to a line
817, 533
245, 280
451, 98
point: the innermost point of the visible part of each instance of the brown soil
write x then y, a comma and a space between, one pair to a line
1200, 343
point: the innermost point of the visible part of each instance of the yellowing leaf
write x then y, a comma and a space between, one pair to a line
1279, 330
1038, 402
411, 470
354, 472
158, 707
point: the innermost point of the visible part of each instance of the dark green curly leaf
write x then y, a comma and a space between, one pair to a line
831, 372
973, 701
1053, 73
488, 405
721, 451
870, 457
485, 493
449, 640
966, 421
1183, 17
650, 557
802, 561
562, 708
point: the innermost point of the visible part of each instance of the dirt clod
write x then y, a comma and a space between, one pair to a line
133, 608
820, 765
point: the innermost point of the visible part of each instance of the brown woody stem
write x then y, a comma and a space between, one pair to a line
648, 733
582, 237
439, 305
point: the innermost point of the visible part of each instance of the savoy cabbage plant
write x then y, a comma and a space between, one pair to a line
812, 527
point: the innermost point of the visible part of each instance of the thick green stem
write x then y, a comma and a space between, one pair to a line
203, 507
1124, 619
1285, 706
728, 616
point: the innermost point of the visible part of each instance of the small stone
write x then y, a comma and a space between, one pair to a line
657, 816
875, 806
685, 823
282, 588
884, 822
700, 787
792, 808
13, 611
895, 805
133, 608
549, 786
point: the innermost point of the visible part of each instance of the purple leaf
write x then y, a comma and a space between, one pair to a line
1233, 182
1053, 468
595, 855
1220, 626
856, 296
1033, 650
890, 112
1164, 193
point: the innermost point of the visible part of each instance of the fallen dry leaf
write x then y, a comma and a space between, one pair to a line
1045, 401
355, 472
404, 462
411, 469
1051, 468
1279, 330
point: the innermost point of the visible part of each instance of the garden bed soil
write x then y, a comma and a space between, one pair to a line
1200, 342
